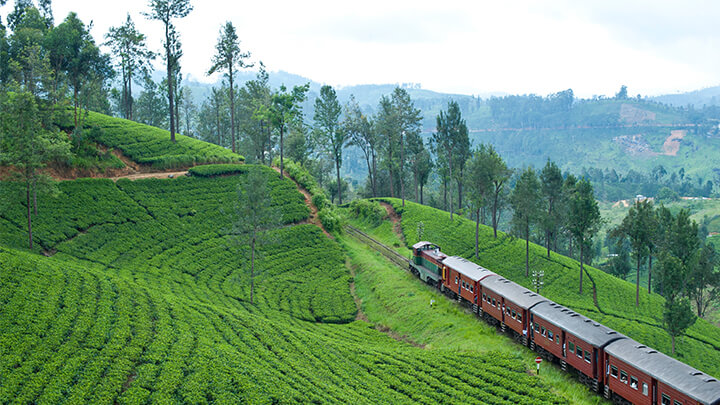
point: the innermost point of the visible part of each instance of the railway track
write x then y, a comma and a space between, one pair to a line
378, 246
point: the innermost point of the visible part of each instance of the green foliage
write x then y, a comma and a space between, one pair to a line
370, 211
330, 219
149, 145
217, 170
616, 298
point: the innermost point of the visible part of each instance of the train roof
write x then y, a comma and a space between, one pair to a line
513, 291
584, 328
421, 244
697, 385
468, 268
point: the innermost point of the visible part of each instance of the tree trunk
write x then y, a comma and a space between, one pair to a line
232, 109
650, 274
460, 193
421, 194
477, 232
337, 171
415, 179
673, 344
34, 187
402, 167
547, 242
637, 283
527, 248
374, 173
445, 193
130, 99
582, 269
252, 269
494, 213
170, 81
29, 217
75, 104
217, 122
392, 182
282, 164
450, 181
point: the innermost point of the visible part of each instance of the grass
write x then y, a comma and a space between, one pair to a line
392, 298
616, 298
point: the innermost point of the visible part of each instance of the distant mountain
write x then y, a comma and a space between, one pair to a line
698, 98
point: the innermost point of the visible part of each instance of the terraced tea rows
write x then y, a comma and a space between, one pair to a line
146, 301
615, 298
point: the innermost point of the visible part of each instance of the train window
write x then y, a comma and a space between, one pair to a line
542, 330
645, 389
557, 339
633, 382
507, 311
613, 371
514, 315
588, 356
472, 290
572, 347
494, 302
537, 327
665, 399
456, 279
623, 376
484, 297
519, 318
578, 352
676, 402
550, 335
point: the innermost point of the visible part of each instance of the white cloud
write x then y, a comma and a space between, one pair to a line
523, 46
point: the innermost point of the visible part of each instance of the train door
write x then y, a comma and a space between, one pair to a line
595, 363
564, 346
654, 391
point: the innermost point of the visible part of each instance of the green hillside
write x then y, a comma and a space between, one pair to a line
615, 298
149, 145
144, 299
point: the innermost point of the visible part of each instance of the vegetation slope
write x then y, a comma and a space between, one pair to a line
615, 305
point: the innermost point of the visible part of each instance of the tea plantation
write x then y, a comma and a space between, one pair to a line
615, 298
152, 146
145, 299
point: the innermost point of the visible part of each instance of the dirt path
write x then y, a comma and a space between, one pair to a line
160, 175
358, 302
395, 219
672, 143
313, 218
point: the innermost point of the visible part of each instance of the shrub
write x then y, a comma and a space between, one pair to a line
371, 211
330, 219
217, 170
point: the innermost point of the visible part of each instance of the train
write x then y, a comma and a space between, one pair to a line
610, 363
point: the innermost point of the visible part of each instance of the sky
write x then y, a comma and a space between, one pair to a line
466, 47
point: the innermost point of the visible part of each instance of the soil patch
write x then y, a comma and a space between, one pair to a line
672, 143
395, 219
358, 302
313, 218
157, 175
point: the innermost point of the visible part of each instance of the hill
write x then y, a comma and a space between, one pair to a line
614, 304
135, 293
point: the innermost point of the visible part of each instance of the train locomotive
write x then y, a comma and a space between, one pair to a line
610, 363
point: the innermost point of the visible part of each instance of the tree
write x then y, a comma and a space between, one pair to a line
229, 58
677, 315
27, 56
385, 127
498, 174
284, 109
622, 94
525, 201
361, 132
552, 193
584, 220
423, 165
636, 227
255, 99
189, 110
479, 186
703, 280
151, 105
131, 53
620, 263
409, 126
329, 134
29, 143
255, 216
165, 11
82, 58
451, 138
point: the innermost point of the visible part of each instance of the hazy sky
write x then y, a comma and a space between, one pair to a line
467, 47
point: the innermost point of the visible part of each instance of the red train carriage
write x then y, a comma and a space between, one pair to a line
641, 375
427, 262
574, 339
462, 277
512, 303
